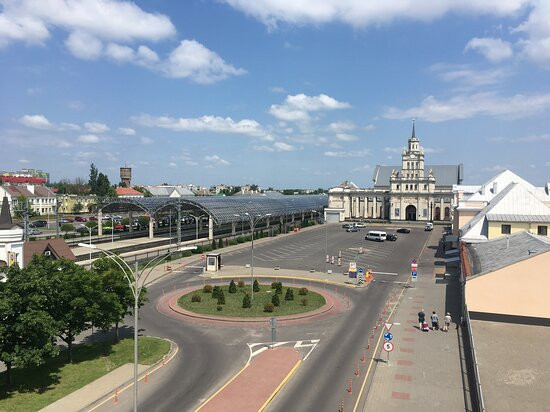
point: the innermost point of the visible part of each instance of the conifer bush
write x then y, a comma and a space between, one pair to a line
275, 300
232, 287
256, 286
246, 302
289, 294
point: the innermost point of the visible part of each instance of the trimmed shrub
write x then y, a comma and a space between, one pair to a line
216, 292
221, 298
256, 286
207, 248
303, 291
289, 294
219, 308
214, 245
275, 300
207, 289
233, 242
279, 288
269, 307
232, 287
240, 283
240, 239
274, 285
195, 298
304, 302
186, 253
246, 302
220, 243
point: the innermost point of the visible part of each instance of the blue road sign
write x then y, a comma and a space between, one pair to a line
414, 274
360, 271
388, 336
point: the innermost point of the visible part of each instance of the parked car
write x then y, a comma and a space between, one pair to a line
80, 219
63, 221
403, 230
34, 232
391, 237
120, 227
92, 219
360, 225
429, 226
352, 229
346, 225
38, 223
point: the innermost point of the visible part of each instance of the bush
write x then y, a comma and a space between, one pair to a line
240, 239
275, 300
274, 285
246, 302
269, 307
256, 286
216, 292
289, 294
303, 291
220, 243
207, 248
219, 308
279, 288
214, 245
232, 287
207, 289
197, 250
186, 253
233, 242
304, 302
221, 298
195, 298
240, 283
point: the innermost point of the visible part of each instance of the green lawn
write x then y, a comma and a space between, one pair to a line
234, 302
35, 388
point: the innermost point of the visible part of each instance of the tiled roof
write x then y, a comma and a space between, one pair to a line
58, 247
505, 251
445, 175
39, 191
127, 191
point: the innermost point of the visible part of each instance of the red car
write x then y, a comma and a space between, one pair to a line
80, 219
120, 226
92, 219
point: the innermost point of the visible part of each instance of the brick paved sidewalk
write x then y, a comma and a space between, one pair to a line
424, 370
257, 383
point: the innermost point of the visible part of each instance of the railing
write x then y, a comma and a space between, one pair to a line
477, 378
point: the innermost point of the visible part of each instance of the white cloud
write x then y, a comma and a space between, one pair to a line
298, 107
536, 47
192, 60
365, 13
36, 121
393, 149
146, 140
69, 126
146, 56
495, 168
24, 161
430, 150
172, 164
370, 127
95, 127
84, 45
277, 89
494, 50
283, 147
205, 124
346, 137
30, 21
342, 126
467, 106
128, 131
119, 52
264, 148
89, 138
357, 153
468, 77
534, 138
216, 160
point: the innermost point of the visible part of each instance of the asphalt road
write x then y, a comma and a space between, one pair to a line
209, 356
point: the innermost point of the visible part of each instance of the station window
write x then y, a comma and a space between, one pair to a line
397, 187
505, 229
425, 187
406, 187
542, 230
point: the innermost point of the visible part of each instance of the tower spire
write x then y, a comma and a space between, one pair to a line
413, 136
5, 216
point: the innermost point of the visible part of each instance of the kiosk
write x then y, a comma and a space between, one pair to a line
213, 262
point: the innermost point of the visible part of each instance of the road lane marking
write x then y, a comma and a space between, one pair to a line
278, 388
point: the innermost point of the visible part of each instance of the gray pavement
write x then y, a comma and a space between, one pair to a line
424, 370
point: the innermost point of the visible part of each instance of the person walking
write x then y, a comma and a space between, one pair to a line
447, 322
421, 318
435, 321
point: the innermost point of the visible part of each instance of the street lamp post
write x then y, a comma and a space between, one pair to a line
253, 221
112, 229
134, 277
326, 236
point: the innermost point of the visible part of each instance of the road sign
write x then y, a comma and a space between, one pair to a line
388, 336
413, 261
388, 325
388, 346
352, 265
414, 275
360, 271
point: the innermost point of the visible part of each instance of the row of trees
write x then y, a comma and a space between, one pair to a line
51, 299
99, 183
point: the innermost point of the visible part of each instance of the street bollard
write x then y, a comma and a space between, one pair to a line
368, 344
342, 406
372, 334
163, 360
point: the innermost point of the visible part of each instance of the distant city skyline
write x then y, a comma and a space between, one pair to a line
288, 95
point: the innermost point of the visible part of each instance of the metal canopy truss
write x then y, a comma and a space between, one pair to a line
222, 209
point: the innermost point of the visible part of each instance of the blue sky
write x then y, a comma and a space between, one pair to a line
282, 93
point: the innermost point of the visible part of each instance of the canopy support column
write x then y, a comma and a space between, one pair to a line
130, 222
179, 225
210, 228
100, 222
151, 227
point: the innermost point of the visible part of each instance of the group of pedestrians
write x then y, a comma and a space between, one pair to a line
423, 324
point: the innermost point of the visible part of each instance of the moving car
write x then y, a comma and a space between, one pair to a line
360, 225
376, 235
403, 230
38, 223
80, 219
352, 229
35, 232
429, 226
391, 237
346, 225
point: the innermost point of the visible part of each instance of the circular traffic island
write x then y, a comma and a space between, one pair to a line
232, 300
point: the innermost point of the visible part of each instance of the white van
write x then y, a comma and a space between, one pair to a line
376, 235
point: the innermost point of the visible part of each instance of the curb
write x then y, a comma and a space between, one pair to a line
174, 349
323, 309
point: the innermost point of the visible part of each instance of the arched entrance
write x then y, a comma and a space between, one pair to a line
437, 213
410, 213
447, 213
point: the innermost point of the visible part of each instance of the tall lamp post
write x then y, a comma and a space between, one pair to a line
254, 219
326, 236
134, 278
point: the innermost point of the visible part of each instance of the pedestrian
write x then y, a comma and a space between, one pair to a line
447, 322
421, 318
435, 321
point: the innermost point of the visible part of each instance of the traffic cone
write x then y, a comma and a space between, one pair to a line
372, 334
342, 406
116, 395
368, 344
350, 388
363, 357
356, 369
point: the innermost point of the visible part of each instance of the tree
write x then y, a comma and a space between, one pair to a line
221, 298
23, 208
214, 245
220, 243
289, 294
67, 227
27, 331
117, 300
279, 288
275, 300
246, 301
78, 206
256, 286
93, 179
232, 287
